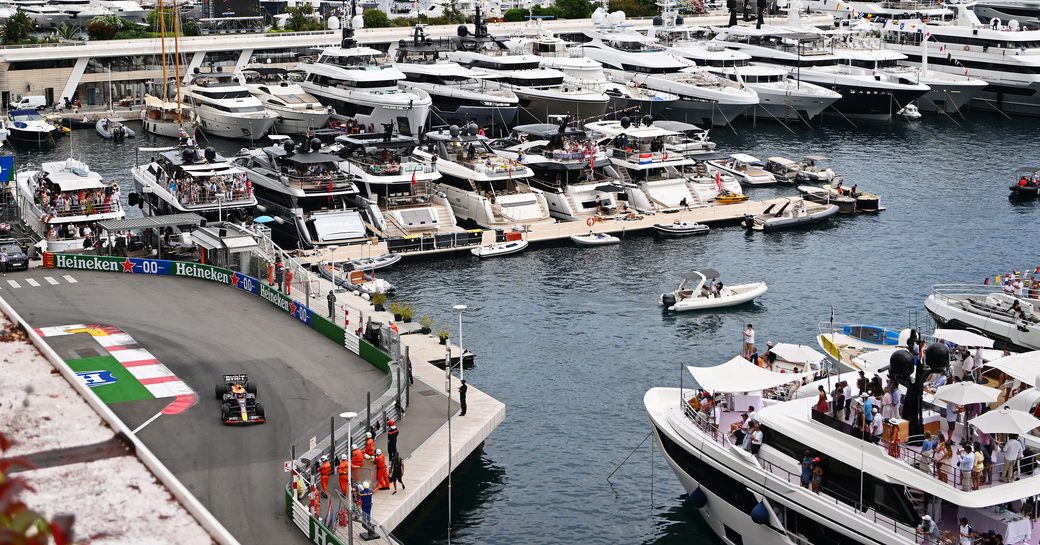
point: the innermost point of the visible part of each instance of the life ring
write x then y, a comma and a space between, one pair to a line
590, 222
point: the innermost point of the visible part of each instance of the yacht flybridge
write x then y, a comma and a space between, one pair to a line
191, 180
751, 491
631, 57
542, 92
359, 83
483, 188
305, 192
459, 95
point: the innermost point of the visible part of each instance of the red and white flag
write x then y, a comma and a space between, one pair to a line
413, 177
718, 181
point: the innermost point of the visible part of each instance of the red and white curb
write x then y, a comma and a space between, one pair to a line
146, 368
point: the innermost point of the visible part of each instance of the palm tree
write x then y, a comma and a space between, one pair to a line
68, 31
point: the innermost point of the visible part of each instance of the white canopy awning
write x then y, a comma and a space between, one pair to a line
155, 102
1024, 366
798, 353
963, 338
740, 375
875, 360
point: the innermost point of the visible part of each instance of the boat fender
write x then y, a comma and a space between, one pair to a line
590, 222
315, 144
760, 513
697, 498
210, 154
668, 300
626, 122
648, 120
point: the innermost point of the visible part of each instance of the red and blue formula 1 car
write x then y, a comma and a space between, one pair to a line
238, 401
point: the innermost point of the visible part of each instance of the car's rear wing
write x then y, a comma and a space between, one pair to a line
239, 378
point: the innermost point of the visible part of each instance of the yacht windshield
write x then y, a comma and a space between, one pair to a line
351, 61
635, 46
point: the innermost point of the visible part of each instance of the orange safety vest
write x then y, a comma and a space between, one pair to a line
370, 447
343, 468
381, 462
325, 469
357, 458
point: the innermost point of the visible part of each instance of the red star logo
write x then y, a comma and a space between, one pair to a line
128, 266
292, 308
234, 281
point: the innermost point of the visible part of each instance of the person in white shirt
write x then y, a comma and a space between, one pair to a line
877, 428
749, 341
847, 392
1012, 453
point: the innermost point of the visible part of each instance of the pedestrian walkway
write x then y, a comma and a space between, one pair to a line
14, 281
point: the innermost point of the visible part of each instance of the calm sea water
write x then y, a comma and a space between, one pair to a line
570, 338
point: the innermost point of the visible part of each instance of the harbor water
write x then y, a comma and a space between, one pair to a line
570, 338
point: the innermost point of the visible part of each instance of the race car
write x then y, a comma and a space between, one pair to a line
239, 404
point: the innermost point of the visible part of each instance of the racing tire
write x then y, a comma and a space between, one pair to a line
260, 410
251, 387
225, 412
220, 389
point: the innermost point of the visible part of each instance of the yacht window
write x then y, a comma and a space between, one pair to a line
223, 95
275, 101
534, 82
350, 61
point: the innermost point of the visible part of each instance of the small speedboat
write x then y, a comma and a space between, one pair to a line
113, 129
499, 248
784, 170
748, 170
359, 281
680, 229
373, 263
1028, 184
792, 213
728, 197
909, 112
595, 239
814, 169
846, 205
701, 290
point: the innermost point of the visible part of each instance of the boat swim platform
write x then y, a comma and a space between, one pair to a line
711, 215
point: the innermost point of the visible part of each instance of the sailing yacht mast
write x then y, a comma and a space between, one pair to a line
162, 40
177, 58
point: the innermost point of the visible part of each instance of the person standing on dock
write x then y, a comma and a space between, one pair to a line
391, 438
462, 397
396, 471
749, 341
382, 475
332, 305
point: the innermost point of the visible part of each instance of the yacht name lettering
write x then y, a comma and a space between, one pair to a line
206, 273
87, 263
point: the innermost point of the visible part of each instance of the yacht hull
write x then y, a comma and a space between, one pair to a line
375, 110
619, 107
294, 122
226, 126
782, 105
498, 119
871, 104
947, 98
704, 112
1010, 100
538, 108
167, 129
28, 139
950, 311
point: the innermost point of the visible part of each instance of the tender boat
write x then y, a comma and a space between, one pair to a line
814, 169
909, 112
784, 170
373, 263
29, 128
355, 280
849, 200
727, 197
695, 293
745, 168
792, 213
1028, 184
989, 310
113, 129
595, 239
680, 229
499, 248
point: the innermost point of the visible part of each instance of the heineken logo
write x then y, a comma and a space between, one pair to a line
90, 263
205, 272
276, 298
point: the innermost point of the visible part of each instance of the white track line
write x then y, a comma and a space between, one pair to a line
50, 280
32, 282
70, 279
146, 422
13, 284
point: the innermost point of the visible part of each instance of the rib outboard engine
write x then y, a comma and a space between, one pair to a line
748, 222
668, 299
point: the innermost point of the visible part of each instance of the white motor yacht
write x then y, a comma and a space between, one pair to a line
630, 57
483, 187
988, 309
555, 53
279, 90
360, 84
225, 108
395, 188
569, 169
780, 96
460, 95
191, 180
747, 169
304, 190
29, 129
949, 93
865, 93
542, 92
1003, 54
61, 199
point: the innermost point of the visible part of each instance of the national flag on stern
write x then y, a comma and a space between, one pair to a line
330, 190
413, 177
6, 168
718, 181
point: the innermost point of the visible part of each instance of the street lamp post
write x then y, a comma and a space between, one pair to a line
460, 309
349, 416
332, 256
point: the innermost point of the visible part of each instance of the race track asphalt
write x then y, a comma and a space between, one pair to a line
200, 331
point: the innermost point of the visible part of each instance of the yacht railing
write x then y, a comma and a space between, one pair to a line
82, 210
208, 198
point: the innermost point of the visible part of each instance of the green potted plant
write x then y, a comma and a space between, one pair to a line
407, 313
378, 300
426, 324
443, 336
397, 309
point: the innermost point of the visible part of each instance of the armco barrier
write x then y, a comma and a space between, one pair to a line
228, 277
